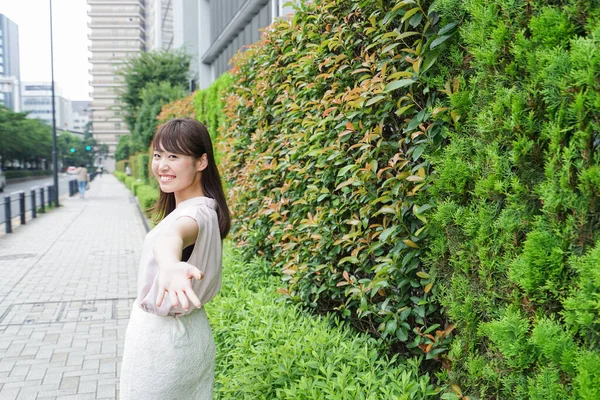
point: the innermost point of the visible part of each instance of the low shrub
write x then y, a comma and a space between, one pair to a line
268, 349
129, 180
13, 174
120, 175
147, 197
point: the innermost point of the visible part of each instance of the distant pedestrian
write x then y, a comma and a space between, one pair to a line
127, 170
169, 347
99, 171
82, 180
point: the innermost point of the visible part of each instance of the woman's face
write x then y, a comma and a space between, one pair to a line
176, 173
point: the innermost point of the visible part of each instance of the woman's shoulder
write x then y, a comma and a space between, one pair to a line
199, 212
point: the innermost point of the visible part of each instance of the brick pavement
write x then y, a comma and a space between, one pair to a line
67, 282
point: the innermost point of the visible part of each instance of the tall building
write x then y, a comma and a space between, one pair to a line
10, 66
80, 116
159, 25
117, 33
37, 102
212, 31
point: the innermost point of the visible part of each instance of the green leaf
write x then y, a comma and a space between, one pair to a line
410, 13
447, 28
386, 233
374, 100
439, 41
398, 84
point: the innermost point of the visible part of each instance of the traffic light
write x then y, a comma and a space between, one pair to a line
88, 148
72, 150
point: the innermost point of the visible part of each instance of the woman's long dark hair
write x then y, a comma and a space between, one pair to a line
188, 136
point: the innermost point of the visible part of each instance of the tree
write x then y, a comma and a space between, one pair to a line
154, 96
23, 139
148, 68
123, 148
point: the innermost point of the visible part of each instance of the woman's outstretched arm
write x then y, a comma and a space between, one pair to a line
175, 276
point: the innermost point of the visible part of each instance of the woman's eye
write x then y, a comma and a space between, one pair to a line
172, 156
156, 156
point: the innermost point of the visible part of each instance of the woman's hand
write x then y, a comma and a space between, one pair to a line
177, 281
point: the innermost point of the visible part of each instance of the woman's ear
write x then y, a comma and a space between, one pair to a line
202, 162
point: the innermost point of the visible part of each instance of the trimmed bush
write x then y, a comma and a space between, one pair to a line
120, 175
327, 125
13, 174
147, 197
267, 349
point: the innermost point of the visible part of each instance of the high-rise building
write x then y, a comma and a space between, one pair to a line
212, 31
80, 116
159, 25
37, 102
10, 66
117, 33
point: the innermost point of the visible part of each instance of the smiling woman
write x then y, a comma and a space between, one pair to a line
168, 316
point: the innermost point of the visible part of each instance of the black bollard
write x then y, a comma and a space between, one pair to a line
7, 214
42, 200
33, 210
50, 195
22, 207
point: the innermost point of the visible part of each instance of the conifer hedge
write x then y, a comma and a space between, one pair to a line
514, 237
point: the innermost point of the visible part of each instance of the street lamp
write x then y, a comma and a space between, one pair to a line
54, 155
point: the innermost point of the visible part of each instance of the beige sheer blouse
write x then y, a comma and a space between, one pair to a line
206, 256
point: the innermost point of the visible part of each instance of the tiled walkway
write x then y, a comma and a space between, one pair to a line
67, 282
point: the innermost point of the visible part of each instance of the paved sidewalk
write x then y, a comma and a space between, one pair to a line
67, 283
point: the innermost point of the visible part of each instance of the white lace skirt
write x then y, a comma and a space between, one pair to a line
167, 357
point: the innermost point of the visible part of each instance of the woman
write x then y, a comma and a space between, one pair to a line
169, 349
82, 179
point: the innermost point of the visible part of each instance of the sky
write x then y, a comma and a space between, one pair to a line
69, 22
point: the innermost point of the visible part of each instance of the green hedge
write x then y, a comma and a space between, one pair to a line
328, 123
407, 178
209, 104
270, 350
13, 174
515, 238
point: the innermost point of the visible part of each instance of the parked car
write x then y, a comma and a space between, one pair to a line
71, 170
2, 181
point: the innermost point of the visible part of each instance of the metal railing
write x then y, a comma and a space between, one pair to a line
35, 200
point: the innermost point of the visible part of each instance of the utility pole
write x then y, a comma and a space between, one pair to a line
54, 154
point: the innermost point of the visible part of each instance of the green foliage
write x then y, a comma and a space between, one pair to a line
147, 197
66, 141
268, 349
582, 307
120, 175
330, 118
509, 334
516, 200
124, 148
23, 139
25, 173
587, 381
154, 96
150, 68
209, 104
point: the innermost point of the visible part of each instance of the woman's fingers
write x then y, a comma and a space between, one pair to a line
195, 273
183, 300
173, 298
161, 296
193, 298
